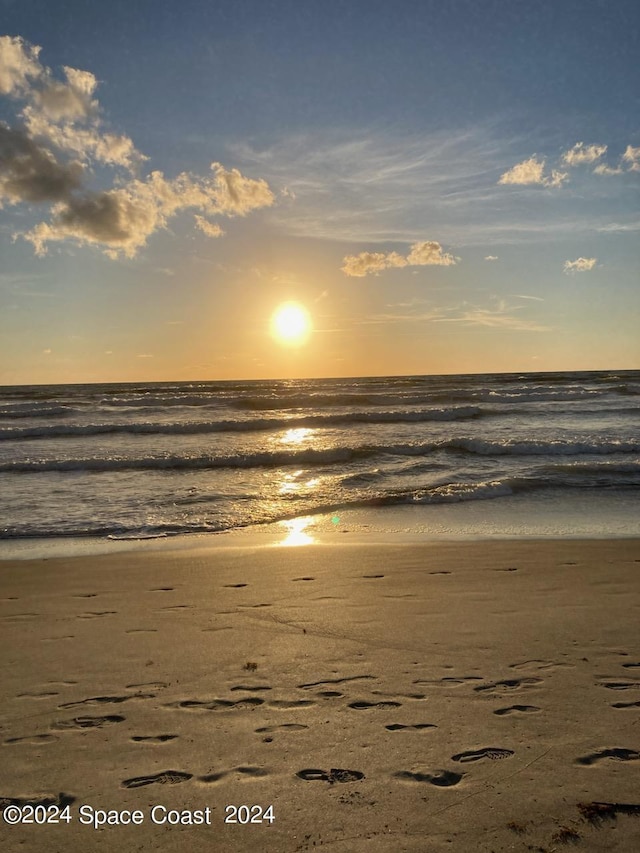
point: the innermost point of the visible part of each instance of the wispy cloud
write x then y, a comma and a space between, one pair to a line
427, 253
491, 258
48, 159
377, 186
579, 265
498, 315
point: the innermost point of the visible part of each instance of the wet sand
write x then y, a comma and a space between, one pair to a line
459, 696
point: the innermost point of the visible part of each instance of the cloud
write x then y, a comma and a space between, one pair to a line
18, 63
61, 112
603, 169
491, 258
427, 253
211, 229
499, 316
122, 219
632, 156
530, 172
579, 265
29, 172
620, 226
49, 157
580, 154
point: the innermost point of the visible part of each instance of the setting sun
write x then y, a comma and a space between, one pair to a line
291, 324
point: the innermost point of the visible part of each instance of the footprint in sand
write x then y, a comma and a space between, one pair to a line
251, 688
218, 704
366, 706
235, 585
334, 681
329, 694
152, 685
620, 685
289, 704
106, 700
32, 739
251, 772
631, 665
96, 614
399, 727
287, 727
626, 705
61, 800
538, 664
153, 738
373, 577
523, 709
492, 752
441, 778
619, 754
303, 579
166, 777
87, 722
43, 695
508, 684
330, 776
448, 681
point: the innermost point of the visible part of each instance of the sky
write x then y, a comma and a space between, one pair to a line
443, 187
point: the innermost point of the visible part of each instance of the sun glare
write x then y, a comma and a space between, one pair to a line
291, 324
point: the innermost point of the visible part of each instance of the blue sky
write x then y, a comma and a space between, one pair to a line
444, 187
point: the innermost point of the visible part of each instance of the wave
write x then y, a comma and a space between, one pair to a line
328, 456
249, 425
34, 410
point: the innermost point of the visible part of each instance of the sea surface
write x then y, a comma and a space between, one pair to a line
129, 461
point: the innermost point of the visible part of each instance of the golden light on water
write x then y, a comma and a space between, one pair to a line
291, 324
296, 535
296, 435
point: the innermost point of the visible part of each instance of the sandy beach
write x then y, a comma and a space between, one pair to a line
459, 696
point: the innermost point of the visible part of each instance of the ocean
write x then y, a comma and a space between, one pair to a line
128, 461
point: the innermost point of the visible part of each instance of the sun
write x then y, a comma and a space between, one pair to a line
291, 324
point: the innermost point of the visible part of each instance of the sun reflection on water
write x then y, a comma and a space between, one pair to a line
296, 435
295, 528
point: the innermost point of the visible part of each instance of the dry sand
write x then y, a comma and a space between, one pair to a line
454, 696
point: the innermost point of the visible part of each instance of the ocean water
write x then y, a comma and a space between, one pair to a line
129, 461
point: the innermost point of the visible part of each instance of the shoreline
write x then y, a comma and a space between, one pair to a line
519, 517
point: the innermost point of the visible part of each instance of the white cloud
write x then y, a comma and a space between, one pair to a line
531, 172
632, 156
581, 154
603, 169
18, 63
426, 253
491, 258
579, 265
49, 158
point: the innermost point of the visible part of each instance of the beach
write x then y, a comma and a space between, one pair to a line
453, 695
